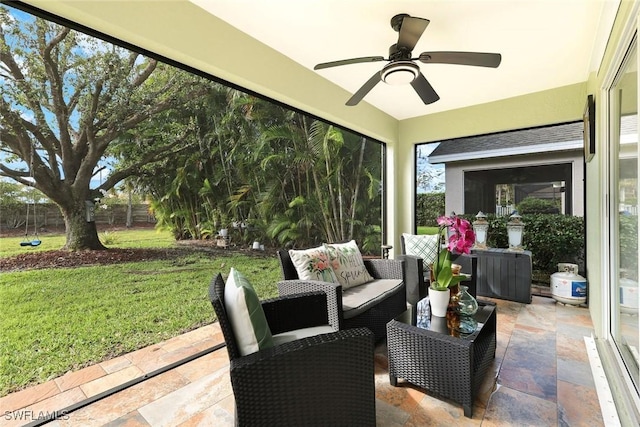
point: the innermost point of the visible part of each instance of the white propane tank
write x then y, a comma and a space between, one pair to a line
628, 296
567, 286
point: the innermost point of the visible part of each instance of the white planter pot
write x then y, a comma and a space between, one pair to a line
439, 301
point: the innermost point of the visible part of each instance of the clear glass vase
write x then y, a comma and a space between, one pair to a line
467, 304
467, 307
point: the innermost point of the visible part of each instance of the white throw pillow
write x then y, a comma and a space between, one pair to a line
246, 315
424, 246
313, 264
347, 263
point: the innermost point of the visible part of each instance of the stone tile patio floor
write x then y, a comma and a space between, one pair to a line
541, 376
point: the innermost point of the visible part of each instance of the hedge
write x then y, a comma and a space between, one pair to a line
551, 238
531, 205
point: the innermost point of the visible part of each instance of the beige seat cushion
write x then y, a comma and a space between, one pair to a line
289, 336
358, 299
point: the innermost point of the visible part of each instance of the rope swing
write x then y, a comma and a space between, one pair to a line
34, 241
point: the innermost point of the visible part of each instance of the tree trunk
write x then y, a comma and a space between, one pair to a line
81, 235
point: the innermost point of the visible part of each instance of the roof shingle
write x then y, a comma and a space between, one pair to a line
511, 139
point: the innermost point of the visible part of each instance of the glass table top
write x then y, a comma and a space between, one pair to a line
454, 324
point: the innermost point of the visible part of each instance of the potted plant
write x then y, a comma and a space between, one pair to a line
224, 222
461, 239
221, 223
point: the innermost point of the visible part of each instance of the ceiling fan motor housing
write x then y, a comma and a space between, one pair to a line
398, 53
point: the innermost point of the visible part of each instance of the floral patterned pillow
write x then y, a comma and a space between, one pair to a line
313, 264
348, 264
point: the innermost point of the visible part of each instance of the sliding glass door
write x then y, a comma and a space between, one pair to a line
623, 214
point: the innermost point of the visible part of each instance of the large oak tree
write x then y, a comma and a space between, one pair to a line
67, 100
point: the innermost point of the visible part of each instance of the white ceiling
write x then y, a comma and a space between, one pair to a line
544, 43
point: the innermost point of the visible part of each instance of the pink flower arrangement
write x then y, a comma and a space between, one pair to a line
461, 239
461, 235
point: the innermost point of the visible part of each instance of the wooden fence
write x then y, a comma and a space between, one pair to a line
48, 215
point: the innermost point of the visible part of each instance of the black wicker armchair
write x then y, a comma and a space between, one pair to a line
418, 277
322, 380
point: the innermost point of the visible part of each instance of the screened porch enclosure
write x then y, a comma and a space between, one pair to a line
499, 191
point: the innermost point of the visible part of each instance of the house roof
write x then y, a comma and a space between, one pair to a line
562, 137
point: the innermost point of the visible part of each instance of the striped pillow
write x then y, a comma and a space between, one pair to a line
246, 315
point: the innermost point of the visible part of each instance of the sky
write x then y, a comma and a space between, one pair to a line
430, 178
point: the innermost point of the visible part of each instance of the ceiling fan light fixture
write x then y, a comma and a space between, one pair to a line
399, 73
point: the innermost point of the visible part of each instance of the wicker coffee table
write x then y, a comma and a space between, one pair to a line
436, 357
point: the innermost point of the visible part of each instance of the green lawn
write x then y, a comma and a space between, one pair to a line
427, 230
135, 238
56, 320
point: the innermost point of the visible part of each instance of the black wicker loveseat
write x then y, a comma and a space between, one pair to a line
321, 380
374, 313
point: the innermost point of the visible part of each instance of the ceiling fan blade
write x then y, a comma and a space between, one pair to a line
478, 59
424, 89
365, 89
410, 32
349, 61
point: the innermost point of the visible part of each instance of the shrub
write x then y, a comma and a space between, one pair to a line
551, 238
531, 205
109, 238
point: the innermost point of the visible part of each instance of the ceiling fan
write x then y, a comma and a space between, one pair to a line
402, 68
